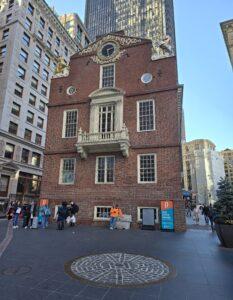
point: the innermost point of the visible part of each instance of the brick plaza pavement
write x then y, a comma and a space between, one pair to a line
32, 267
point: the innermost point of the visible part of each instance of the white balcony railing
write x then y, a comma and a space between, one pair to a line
103, 142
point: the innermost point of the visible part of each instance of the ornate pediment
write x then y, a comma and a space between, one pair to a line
102, 55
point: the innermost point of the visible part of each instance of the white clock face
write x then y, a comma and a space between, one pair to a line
146, 78
71, 90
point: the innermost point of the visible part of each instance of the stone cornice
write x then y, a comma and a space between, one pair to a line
21, 140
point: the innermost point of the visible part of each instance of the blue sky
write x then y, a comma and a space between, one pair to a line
204, 66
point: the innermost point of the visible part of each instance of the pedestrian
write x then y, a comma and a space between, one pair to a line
205, 212
211, 217
188, 209
115, 213
62, 214
196, 213
73, 213
45, 213
10, 212
26, 215
17, 210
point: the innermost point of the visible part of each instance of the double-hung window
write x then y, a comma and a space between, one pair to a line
70, 123
67, 171
30, 9
15, 110
36, 67
3, 51
9, 151
30, 117
105, 166
13, 128
18, 90
25, 156
107, 118
146, 115
21, 72
44, 90
36, 157
38, 51
28, 24
5, 34
42, 23
26, 39
108, 76
147, 168
23, 56
34, 83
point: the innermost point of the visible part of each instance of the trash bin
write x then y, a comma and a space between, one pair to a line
124, 222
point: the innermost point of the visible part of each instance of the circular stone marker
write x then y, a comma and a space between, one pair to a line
118, 269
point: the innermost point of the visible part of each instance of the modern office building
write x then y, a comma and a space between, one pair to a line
114, 132
227, 30
31, 41
76, 29
153, 19
203, 167
227, 155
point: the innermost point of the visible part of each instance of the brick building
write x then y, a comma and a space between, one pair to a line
114, 132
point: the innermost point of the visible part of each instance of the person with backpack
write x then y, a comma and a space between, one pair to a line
62, 214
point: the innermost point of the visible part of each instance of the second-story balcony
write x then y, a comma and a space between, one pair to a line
101, 142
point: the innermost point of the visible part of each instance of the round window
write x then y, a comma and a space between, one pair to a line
108, 50
146, 78
71, 90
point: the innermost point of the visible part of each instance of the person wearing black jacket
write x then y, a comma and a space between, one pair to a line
62, 214
73, 211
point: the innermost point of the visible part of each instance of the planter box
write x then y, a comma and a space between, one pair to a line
225, 234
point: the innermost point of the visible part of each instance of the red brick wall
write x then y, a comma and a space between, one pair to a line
164, 141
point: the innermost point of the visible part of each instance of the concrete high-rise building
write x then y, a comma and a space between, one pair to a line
153, 19
31, 41
203, 167
227, 30
227, 155
76, 29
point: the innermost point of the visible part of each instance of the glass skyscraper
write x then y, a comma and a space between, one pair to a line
153, 19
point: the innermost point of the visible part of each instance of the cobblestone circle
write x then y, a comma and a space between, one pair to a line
119, 269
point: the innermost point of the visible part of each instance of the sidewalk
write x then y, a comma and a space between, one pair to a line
32, 267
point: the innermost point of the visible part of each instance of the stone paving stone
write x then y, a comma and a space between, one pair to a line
94, 292
57, 296
203, 268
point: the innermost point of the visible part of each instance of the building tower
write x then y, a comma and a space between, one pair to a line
31, 41
227, 155
203, 168
76, 29
153, 19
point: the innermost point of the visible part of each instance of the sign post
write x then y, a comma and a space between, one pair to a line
167, 215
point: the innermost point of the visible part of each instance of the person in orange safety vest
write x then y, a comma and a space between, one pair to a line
115, 213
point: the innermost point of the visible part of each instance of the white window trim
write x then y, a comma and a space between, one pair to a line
154, 207
138, 119
95, 213
64, 124
60, 171
96, 170
138, 168
101, 75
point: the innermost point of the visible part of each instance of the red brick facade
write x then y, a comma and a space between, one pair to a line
164, 141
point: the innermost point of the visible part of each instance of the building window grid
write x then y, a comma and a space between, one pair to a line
13, 128
5, 34
108, 76
27, 134
67, 174
102, 212
70, 123
38, 51
146, 115
36, 157
3, 51
105, 167
18, 90
44, 90
26, 39
40, 122
30, 117
15, 110
25, 156
38, 139
9, 151
23, 55
21, 72
28, 24
147, 168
